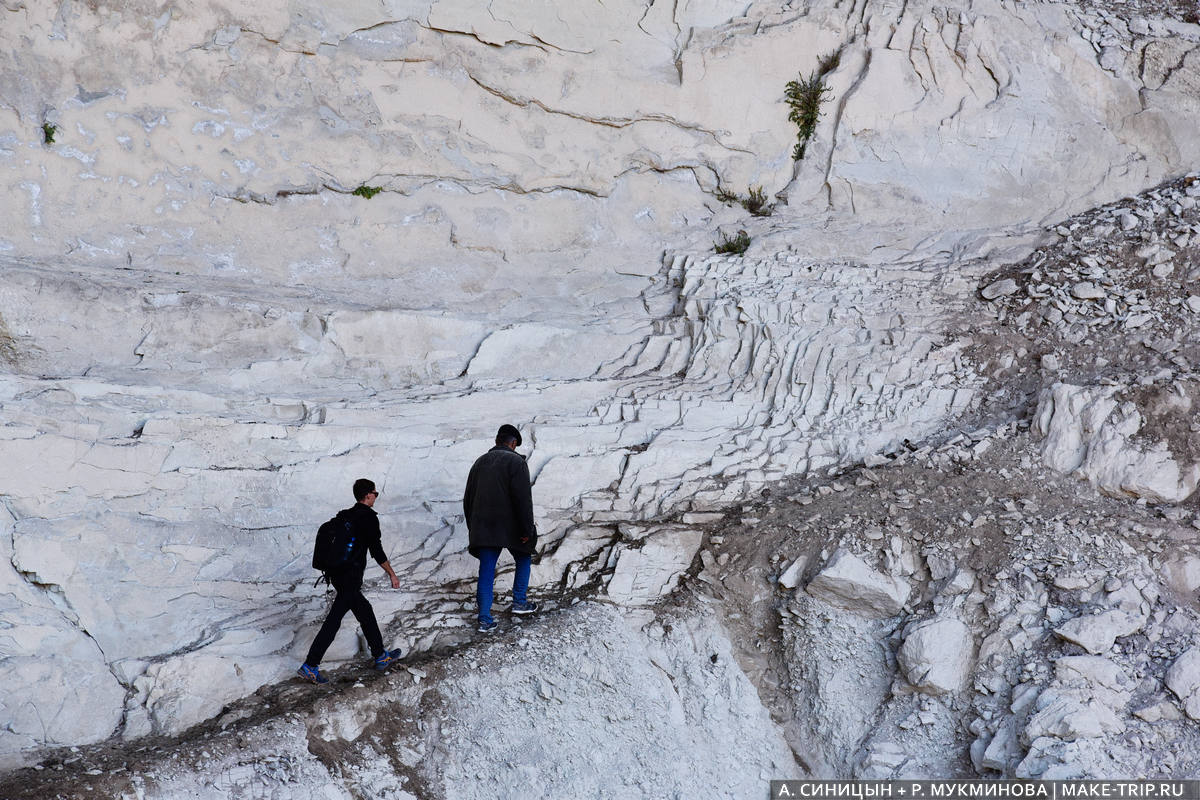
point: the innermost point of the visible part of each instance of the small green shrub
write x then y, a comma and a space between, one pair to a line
727, 197
8, 346
735, 246
827, 64
756, 203
804, 97
367, 191
48, 132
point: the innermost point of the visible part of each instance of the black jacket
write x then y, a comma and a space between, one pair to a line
366, 539
498, 503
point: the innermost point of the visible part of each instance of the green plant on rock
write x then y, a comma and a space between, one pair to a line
8, 346
804, 97
726, 197
367, 191
827, 64
48, 132
733, 246
756, 202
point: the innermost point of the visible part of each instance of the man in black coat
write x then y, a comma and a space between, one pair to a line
347, 581
498, 506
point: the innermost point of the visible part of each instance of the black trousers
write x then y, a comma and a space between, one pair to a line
349, 598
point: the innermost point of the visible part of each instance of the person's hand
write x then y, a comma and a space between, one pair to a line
395, 582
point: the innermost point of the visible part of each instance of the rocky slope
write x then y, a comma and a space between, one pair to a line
979, 281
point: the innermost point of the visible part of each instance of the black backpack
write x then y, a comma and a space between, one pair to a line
335, 544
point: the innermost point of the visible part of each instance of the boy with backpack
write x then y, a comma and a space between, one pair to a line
341, 553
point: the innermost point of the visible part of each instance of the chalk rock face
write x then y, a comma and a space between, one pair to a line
937, 655
575, 683
847, 582
253, 254
1088, 432
1183, 678
48, 694
646, 574
543, 133
200, 498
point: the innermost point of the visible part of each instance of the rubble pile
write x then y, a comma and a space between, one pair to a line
982, 619
1122, 276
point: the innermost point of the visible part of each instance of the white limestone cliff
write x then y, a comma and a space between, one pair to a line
206, 335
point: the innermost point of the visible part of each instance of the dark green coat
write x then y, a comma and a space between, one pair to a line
498, 503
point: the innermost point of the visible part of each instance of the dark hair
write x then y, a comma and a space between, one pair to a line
362, 488
508, 434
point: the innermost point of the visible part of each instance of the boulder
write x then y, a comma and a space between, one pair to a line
1068, 417
1183, 678
1000, 288
1064, 715
1182, 573
1087, 431
1003, 749
1097, 632
937, 655
1094, 671
790, 578
847, 582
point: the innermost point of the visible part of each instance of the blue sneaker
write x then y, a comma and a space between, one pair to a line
386, 659
487, 627
524, 608
311, 674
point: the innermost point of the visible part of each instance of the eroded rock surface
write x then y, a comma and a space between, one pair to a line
254, 254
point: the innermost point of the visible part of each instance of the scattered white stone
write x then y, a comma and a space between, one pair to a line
1071, 581
790, 578
1086, 290
1128, 221
1000, 288
1003, 749
1183, 573
1112, 58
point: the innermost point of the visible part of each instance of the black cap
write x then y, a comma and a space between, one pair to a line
507, 432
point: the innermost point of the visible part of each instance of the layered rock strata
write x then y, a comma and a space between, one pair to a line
211, 322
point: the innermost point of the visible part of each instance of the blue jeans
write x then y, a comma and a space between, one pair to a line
488, 556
